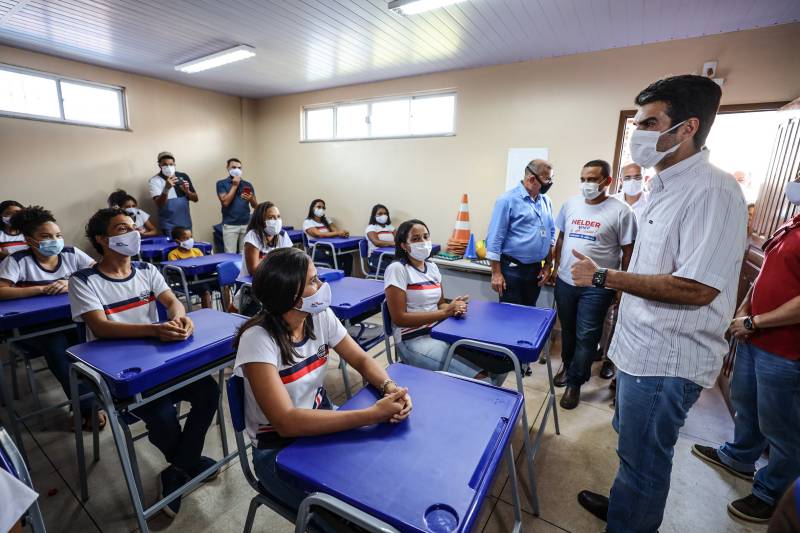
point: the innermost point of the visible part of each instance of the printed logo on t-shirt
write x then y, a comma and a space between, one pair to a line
585, 229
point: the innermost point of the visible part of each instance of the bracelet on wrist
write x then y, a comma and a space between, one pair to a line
386, 383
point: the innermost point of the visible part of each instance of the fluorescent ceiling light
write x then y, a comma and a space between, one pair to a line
413, 7
237, 53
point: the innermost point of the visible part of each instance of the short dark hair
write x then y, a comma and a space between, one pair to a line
375, 211
232, 159
166, 156
5, 204
28, 219
98, 225
119, 197
402, 235
605, 168
686, 96
177, 231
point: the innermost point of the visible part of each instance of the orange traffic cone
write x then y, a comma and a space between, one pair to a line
457, 243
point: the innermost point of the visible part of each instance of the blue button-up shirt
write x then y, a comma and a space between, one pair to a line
521, 227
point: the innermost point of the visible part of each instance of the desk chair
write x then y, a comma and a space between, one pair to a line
366, 267
12, 462
176, 279
311, 251
388, 333
227, 273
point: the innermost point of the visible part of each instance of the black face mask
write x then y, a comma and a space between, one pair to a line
544, 186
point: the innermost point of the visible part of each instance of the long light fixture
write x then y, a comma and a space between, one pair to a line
413, 7
237, 53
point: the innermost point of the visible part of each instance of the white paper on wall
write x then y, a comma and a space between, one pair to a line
518, 158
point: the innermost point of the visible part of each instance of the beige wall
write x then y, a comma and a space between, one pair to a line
570, 105
72, 169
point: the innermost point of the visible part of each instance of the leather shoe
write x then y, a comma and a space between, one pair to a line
596, 504
608, 370
560, 379
570, 398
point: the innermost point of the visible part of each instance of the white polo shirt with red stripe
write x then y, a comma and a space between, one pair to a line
423, 288
385, 233
131, 300
23, 270
304, 379
12, 243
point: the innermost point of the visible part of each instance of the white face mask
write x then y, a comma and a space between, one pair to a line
792, 191
319, 212
235, 172
317, 302
590, 191
126, 244
382, 219
188, 244
168, 170
632, 187
273, 227
420, 250
132, 211
643, 147
7, 220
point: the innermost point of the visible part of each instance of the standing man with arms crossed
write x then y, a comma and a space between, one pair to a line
237, 197
679, 295
172, 191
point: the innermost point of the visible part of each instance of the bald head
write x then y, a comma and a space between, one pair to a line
537, 173
539, 167
631, 169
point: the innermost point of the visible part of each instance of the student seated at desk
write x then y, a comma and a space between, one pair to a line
186, 250
416, 303
11, 240
380, 234
46, 267
128, 203
282, 353
116, 299
317, 226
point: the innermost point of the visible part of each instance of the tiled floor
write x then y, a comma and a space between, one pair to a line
581, 457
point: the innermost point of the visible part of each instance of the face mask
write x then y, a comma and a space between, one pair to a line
132, 211
643, 147
319, 212
273, 227
632, 187
235, 172
420, 250
382, 219
7, 220
168, 170
317, 302
188, 244
792, 191
51, 247
590, 191
544, 186
126, 244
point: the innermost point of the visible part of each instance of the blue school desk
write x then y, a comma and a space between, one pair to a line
128, 373
158, 250
337, 246
196, 270
429, 473
517, 332
295, 235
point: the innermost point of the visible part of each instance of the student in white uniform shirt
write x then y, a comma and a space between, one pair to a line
318, 226
416, 303
282, 352
141, 219
380, 234
17, 498
633, 192
11, 240
45, 268
116, 299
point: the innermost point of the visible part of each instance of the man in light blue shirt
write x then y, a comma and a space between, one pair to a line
521, 235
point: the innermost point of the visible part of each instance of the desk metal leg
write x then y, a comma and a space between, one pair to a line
512, 478
223, 432
552, 395
76, 421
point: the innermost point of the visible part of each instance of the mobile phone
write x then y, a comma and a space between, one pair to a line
246, 190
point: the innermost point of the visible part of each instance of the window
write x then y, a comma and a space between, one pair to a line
32, 94
409, 116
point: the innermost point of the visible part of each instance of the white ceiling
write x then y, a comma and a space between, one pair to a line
311, 44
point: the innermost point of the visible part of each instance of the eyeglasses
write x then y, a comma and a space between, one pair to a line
538, 177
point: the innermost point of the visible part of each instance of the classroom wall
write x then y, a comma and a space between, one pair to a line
568, 104
71, 169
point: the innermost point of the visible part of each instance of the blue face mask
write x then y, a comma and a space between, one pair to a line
51, 247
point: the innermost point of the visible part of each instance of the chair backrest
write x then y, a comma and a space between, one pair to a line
388, 327
236, 402
363, 248
228, 271
305, 242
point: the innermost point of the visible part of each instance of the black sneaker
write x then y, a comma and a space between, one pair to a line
751, 509
560, 379
711, 456
203, 464
171, 479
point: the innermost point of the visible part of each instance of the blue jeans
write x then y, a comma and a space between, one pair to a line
765, 393
649, 413
429, 353
581, 311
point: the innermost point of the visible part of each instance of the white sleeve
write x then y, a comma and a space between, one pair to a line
16, 496
9, 270
145, 216
308, 223
82, 299
371, 227
156, 186
157, 281
396, 276
627, 227
252, 239
333, 330
82, 259
256, 346
285, 241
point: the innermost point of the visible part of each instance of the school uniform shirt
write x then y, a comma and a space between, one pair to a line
12, 243
311, 223
16, 496
423, 291
638, 207
140, 218
304, 378
598, 231
131, 300
180, 253
23, 270
251, 238
385, 233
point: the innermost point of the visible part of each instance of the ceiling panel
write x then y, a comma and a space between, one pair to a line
312, 44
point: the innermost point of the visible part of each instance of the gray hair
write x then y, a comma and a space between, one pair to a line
539, 166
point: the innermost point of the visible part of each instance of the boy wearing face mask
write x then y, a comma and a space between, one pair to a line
603, 228
186, 250
45, 268
116, 298
172, 191
237, 197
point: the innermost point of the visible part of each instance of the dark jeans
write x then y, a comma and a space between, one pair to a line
581, 311
765, 393
385, 260
649, 413
182, 448
323, 255
522, 282
53, 347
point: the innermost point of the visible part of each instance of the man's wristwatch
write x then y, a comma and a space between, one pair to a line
599, 278
748, 323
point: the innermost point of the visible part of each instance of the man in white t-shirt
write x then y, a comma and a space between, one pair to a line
633, 192
603, 228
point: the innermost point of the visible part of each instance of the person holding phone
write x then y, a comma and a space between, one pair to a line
237, 197
172, 191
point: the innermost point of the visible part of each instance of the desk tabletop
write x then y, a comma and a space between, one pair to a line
33, 310
131, 366
204, 263
295, 235
351, 297
523, 330
440, 461
163, 247
325, 274
338, 242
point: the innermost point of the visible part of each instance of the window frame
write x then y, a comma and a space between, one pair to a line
369, 101
122, 99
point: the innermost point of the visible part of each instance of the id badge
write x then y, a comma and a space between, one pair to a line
543, 233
